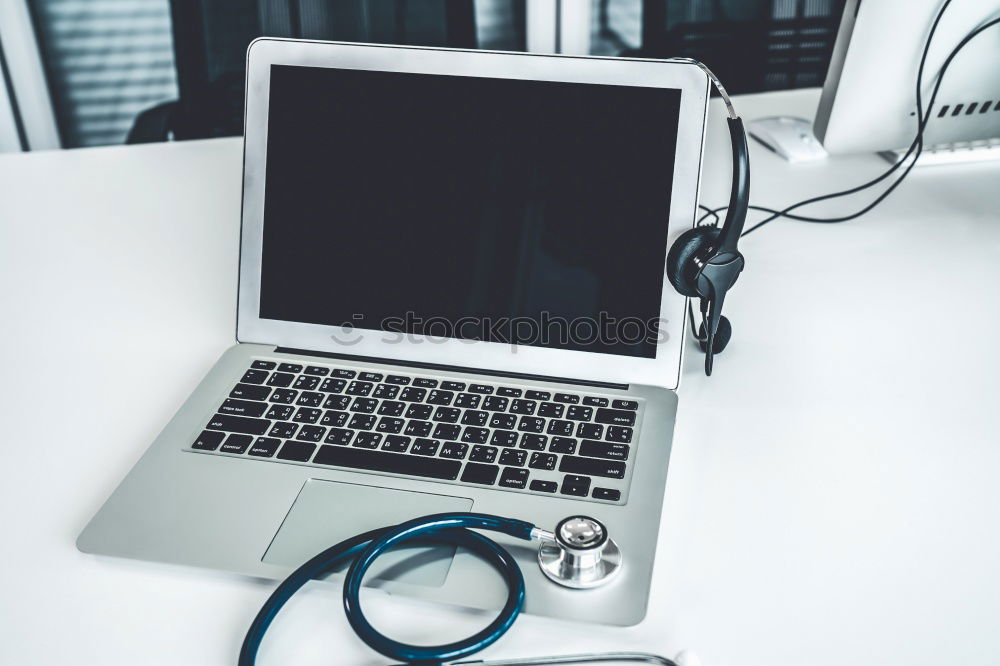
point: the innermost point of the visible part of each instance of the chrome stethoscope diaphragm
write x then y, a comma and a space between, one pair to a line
579, 554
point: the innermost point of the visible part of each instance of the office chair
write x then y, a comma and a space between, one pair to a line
764, 46
211, 38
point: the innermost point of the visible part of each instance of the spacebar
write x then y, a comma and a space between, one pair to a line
394, 463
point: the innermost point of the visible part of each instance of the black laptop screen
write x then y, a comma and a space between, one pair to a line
511, 211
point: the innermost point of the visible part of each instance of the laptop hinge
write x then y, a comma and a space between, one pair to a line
451, 368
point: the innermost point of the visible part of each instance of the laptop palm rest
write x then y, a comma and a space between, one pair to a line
327, 512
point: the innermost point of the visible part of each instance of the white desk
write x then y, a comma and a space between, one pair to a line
833, 494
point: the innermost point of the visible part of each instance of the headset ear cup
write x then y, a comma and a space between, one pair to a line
722, 336
682, 271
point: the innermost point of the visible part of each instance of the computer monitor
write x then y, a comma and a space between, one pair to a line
869, 98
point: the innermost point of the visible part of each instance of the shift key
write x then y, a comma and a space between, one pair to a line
613, 469
240, 424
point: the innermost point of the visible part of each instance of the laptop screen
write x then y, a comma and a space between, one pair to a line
514, 211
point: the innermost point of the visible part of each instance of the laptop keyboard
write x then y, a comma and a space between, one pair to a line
482, 434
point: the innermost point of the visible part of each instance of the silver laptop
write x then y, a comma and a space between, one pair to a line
452, 298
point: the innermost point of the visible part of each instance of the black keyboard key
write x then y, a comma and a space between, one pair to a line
562, 445
440, 397
543, 486
513, 477
240, 424
425, 447
514, 457
368, 440
496, 403
243, 407
468, 400
504, 421
306, 383
331, 385
310, 399
612, 469
311, 433
281, 379
609, 494
334, 418
290, 367
250, 392
317, 370
562, 428
337, 402
615, 417
479, 473
263, 365
608, 450
344, 374
625, 404
590, 431
307, 415
339, 436
509, 392
446, 431
483, 454
523, 407
418, 428
595, 402
546, 461
390, 424
474, 418
279, 412
538, 395
453, 386
390, 408
396, 443
618, 434
410, 394
580, 413
297, 451
447, 414
422, 412
397, 379
391, 463
386, 391
575, 485
552, 410
362, 422
425, 383
534, 442
364, 405
371, 376
283, 429
265, 447
254, 377
531, 424
208, 440
236, 444
568, 398
454, 450
480, 388
504, 438
359, 388
284, 396
475, 435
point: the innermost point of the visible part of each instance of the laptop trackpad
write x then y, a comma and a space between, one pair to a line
327, 512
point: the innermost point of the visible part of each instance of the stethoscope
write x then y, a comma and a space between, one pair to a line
578, 553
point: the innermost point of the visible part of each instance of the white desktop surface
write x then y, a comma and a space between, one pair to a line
834, 489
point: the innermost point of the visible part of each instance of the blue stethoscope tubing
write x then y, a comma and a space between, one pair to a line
449, 528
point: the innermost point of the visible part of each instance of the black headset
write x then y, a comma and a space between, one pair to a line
705, 262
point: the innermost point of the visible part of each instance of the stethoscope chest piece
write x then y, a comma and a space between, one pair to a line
580, 555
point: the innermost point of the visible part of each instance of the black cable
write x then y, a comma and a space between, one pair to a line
915, 147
